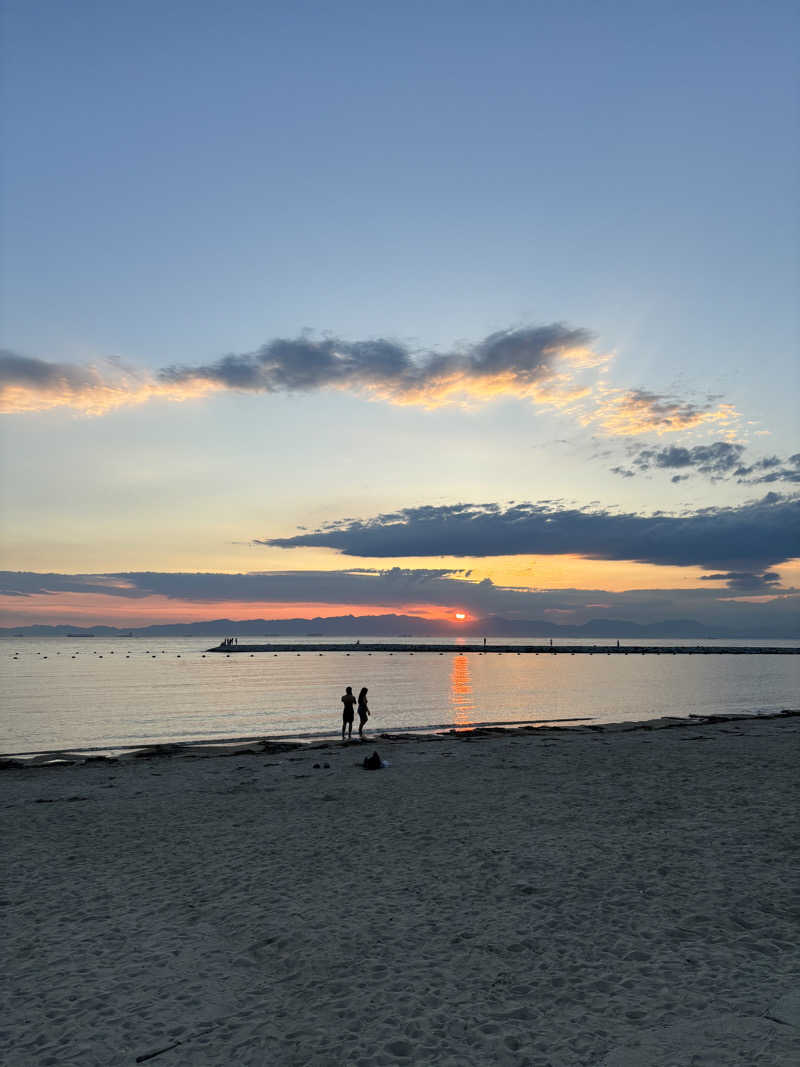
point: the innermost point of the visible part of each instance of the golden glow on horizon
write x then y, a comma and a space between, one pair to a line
523, 573
101, 609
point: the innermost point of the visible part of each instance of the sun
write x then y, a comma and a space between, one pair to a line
460, 615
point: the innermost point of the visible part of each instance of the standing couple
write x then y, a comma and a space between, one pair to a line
348, 701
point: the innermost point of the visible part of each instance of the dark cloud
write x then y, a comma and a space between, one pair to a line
721, 601
744, 582
29, 583
543, 364
522, 356
31, 373
717, 461
769, 470
750, 537
357, 586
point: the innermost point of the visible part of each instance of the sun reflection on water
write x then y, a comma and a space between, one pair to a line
461, 692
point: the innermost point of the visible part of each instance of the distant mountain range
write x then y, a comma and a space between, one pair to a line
395, 626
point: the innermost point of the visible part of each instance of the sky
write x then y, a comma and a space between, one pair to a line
318, 309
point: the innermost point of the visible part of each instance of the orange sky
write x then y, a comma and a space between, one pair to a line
99, 609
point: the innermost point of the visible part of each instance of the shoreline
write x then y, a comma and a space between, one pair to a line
254, 745
576, 897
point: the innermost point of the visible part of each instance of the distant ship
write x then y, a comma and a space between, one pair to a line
80, 635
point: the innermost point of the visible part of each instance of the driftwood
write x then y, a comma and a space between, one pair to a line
157, 1052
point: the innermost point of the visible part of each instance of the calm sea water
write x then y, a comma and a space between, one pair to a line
110, 693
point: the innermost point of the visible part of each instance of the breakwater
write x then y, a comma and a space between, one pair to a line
499, 649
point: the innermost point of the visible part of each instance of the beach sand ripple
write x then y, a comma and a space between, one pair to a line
552, 897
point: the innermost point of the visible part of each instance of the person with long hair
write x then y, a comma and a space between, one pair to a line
363, 712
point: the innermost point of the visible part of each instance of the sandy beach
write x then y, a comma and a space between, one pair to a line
607, 897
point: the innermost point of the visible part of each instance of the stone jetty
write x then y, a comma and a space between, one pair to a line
498, 648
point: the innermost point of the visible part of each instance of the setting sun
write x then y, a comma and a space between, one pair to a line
460, 615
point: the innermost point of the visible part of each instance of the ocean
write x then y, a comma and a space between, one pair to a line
109, 694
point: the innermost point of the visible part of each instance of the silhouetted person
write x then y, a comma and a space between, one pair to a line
348, 700
363, 712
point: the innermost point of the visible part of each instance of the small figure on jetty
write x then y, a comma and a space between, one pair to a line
363, 712
348, 700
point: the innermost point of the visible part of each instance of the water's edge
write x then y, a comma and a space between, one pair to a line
242, 746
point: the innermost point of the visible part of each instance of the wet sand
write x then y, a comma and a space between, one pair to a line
585, 896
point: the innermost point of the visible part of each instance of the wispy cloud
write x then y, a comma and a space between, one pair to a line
629, 412
555, 367
534, 362
718, 461
748, 538
769, 470
538, 363
28, 385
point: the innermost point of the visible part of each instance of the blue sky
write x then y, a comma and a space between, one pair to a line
184, 182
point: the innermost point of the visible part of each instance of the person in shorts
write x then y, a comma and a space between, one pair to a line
349, 701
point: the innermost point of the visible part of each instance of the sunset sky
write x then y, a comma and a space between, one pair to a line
318, 309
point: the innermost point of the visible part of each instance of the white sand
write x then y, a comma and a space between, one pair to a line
556, 898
